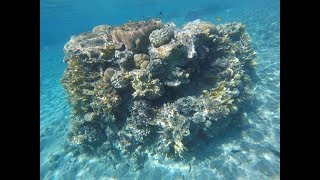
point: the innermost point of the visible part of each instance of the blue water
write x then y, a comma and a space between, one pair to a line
259, 141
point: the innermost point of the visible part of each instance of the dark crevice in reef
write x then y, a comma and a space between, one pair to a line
171, 95
152, 87
123, 110
199, 81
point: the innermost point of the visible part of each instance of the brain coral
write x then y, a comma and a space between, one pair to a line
147, 87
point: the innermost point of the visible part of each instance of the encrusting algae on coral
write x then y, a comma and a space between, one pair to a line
152, 87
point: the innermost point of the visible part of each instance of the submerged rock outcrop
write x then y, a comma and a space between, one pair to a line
148, 87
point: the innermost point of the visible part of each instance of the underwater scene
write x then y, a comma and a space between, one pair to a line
159, 89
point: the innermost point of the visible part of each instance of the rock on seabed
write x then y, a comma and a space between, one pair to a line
148, 87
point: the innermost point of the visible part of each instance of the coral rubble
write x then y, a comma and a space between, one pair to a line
148, 87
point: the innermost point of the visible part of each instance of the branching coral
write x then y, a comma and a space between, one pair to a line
145, 86
148, 87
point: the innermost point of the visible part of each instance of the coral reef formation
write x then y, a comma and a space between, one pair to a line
148, 87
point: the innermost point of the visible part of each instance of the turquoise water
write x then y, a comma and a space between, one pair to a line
258, 141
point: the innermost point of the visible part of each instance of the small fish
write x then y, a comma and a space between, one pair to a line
130, 20
152, 123
219, 18
235, 151
161, 13
277, 153
189, 167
